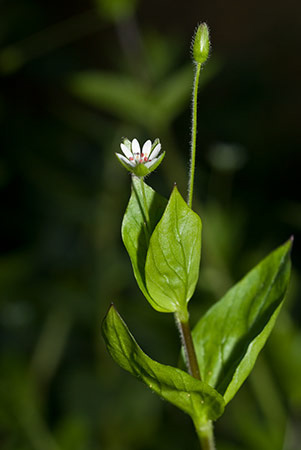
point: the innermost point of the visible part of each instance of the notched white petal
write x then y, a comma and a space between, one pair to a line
135, 147
147, 148
127, 143
155, 152
150, 163
125, 160
126, 150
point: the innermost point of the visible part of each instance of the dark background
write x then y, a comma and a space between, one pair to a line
75, 78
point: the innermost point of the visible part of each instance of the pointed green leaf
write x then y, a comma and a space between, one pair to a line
192, 396
135, 232
230, 336
173, 257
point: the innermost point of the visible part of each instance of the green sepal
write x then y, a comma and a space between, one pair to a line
230, 336
142, 171
192, 396
173, 257
126, 166
136, 232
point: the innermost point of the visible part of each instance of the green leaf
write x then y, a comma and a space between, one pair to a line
192, 396
173, 257
230, 336
135, 232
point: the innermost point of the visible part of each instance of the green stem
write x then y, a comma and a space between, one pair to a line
205, 434
204, 429
194, 132
189, 350
146, 214
143, 206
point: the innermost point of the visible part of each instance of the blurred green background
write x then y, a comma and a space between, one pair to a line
75, 78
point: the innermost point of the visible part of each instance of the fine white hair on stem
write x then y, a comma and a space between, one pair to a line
193, 134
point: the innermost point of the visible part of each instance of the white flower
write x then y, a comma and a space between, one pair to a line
140, 162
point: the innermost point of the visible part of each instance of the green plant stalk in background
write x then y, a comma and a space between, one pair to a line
163, 240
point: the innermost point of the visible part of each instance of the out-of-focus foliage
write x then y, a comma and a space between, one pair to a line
116, 10
75, 78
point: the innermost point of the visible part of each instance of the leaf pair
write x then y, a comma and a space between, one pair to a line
227, 339
164, 244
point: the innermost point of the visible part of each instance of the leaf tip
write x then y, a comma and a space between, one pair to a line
175, 190
290, 242
110, 308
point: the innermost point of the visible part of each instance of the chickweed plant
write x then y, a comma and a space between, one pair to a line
163, 240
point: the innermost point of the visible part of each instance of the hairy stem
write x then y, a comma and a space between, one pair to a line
189, 350
193, 133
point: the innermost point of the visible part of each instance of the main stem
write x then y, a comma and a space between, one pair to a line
189, 350
193, 133
204, 429
205, 434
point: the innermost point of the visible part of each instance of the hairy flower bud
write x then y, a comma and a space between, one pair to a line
201, 44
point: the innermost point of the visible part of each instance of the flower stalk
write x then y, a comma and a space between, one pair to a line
194, 133
200, 53
146, 214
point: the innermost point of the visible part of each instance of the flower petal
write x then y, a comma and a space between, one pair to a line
126, 150
150, 163
147, 148
135, 147
125, 160
155, 152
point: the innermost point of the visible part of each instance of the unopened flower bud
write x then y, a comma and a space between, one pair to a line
201, 44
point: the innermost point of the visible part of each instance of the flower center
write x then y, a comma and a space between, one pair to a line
139, 159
